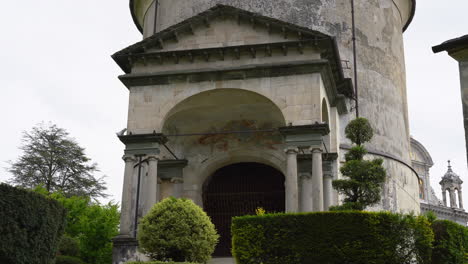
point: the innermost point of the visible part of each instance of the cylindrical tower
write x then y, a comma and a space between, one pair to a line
381, 66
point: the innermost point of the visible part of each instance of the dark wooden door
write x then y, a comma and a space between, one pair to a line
237, 190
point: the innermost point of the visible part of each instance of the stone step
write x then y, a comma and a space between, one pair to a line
221, 261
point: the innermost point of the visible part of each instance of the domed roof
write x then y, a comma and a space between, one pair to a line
451, 176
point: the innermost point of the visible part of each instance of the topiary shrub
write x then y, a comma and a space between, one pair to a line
31, 226
68, 260
177, 230
364, 178
451, 243
331, 237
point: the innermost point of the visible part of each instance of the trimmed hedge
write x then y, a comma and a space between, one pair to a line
331, 237
31, 226
160, 262
451, 243
68, 260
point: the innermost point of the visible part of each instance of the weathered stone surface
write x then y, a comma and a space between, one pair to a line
381, 68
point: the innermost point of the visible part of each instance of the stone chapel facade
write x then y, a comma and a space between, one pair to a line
244, 105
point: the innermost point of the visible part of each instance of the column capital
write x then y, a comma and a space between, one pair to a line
291, 150
129, 158
153, 157
328, 175
316, 150
305, 175
177, 180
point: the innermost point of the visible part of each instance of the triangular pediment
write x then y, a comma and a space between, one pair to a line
220, 26
225, 31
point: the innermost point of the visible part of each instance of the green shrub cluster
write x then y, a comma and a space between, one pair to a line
31, 226
331, 237
177, 230
451, 243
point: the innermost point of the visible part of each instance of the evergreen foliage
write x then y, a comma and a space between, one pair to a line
54, 160
92, 225
68, 260
89, 224
332, 237
364, 178
451, 243
177, 230
31, 226
69, 247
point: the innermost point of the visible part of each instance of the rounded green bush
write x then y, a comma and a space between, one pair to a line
69, 246
177, 230
359, 131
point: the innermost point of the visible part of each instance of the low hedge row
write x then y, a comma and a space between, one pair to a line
31, 226
451, 243
331, 237
160, 262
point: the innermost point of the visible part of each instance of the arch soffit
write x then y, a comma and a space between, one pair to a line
270, 158
419, 148
170, 107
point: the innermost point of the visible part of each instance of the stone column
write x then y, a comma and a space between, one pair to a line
151, 188
327, 190
178, 187
444, 197
317, 180
291, 185
460, 199
166, 188
128, 197
306, 192
453, 202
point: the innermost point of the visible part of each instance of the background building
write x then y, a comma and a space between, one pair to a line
451, 208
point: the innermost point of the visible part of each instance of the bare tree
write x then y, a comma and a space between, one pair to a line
54, 160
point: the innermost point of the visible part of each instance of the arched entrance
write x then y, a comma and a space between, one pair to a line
239, 189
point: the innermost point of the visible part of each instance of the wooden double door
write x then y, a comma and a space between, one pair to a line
239, 189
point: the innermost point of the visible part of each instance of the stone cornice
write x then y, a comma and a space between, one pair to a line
244, 72
325, 156
443, 210
318, 128
143, 138
172, 163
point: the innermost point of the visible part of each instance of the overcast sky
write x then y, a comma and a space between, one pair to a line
55, 66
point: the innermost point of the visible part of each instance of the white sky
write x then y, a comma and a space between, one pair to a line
55, 66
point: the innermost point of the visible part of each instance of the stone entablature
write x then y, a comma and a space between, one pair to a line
446, 213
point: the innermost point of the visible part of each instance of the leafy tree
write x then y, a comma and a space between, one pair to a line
91, 224
364, 181
177, 230
54, 160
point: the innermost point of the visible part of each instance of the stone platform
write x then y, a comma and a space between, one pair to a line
222, 261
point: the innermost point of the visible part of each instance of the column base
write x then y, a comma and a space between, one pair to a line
125, 249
